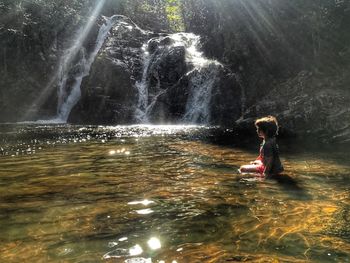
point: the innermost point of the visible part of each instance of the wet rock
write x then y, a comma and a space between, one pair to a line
109, 95
22, 51
307, 105
167, 84
226, 102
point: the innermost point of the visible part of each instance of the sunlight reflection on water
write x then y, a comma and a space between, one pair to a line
174, 198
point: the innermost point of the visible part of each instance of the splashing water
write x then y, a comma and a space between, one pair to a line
202, 76
202, 81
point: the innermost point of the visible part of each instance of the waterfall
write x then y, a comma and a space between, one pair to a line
67, 100
142, 87
202, 81
146, 100
202, 76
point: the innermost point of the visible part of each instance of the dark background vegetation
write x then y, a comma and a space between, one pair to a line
291, 56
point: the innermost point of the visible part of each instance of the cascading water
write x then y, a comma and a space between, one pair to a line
176, 84
146, 100
202, 76
67, 102
142, 87
202, 81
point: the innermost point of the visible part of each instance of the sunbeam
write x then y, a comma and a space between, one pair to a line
66, 60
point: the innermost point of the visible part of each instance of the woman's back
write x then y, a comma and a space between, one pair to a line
269, 148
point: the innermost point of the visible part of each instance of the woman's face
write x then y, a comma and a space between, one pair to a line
260, 133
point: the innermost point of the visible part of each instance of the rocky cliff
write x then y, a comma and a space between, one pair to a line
309, 105
292, 59
140, 76
109, 95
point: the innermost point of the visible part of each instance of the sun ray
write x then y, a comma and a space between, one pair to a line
66, 60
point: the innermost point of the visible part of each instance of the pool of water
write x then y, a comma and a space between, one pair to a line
165, 194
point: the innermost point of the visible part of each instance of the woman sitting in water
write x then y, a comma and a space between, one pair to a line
268, 162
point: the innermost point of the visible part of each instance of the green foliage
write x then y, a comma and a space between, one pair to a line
174, 14
148, 14
157, 15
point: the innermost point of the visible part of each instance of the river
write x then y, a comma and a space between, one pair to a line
165, 194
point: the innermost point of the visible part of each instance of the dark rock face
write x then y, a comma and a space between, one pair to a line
109, 96
307, 105
131, 60
270, 45
226, 103
33, 38
181, 79
20, 85
108, 93
167, 84
224, 106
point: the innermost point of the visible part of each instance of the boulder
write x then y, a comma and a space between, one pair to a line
109, 95
167, 84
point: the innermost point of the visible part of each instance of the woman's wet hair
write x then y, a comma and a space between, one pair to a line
268, 125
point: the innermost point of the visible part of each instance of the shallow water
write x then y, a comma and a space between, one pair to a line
164, 194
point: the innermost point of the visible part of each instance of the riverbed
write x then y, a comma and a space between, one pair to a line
165, 194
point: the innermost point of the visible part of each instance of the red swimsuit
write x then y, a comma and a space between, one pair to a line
260, 167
